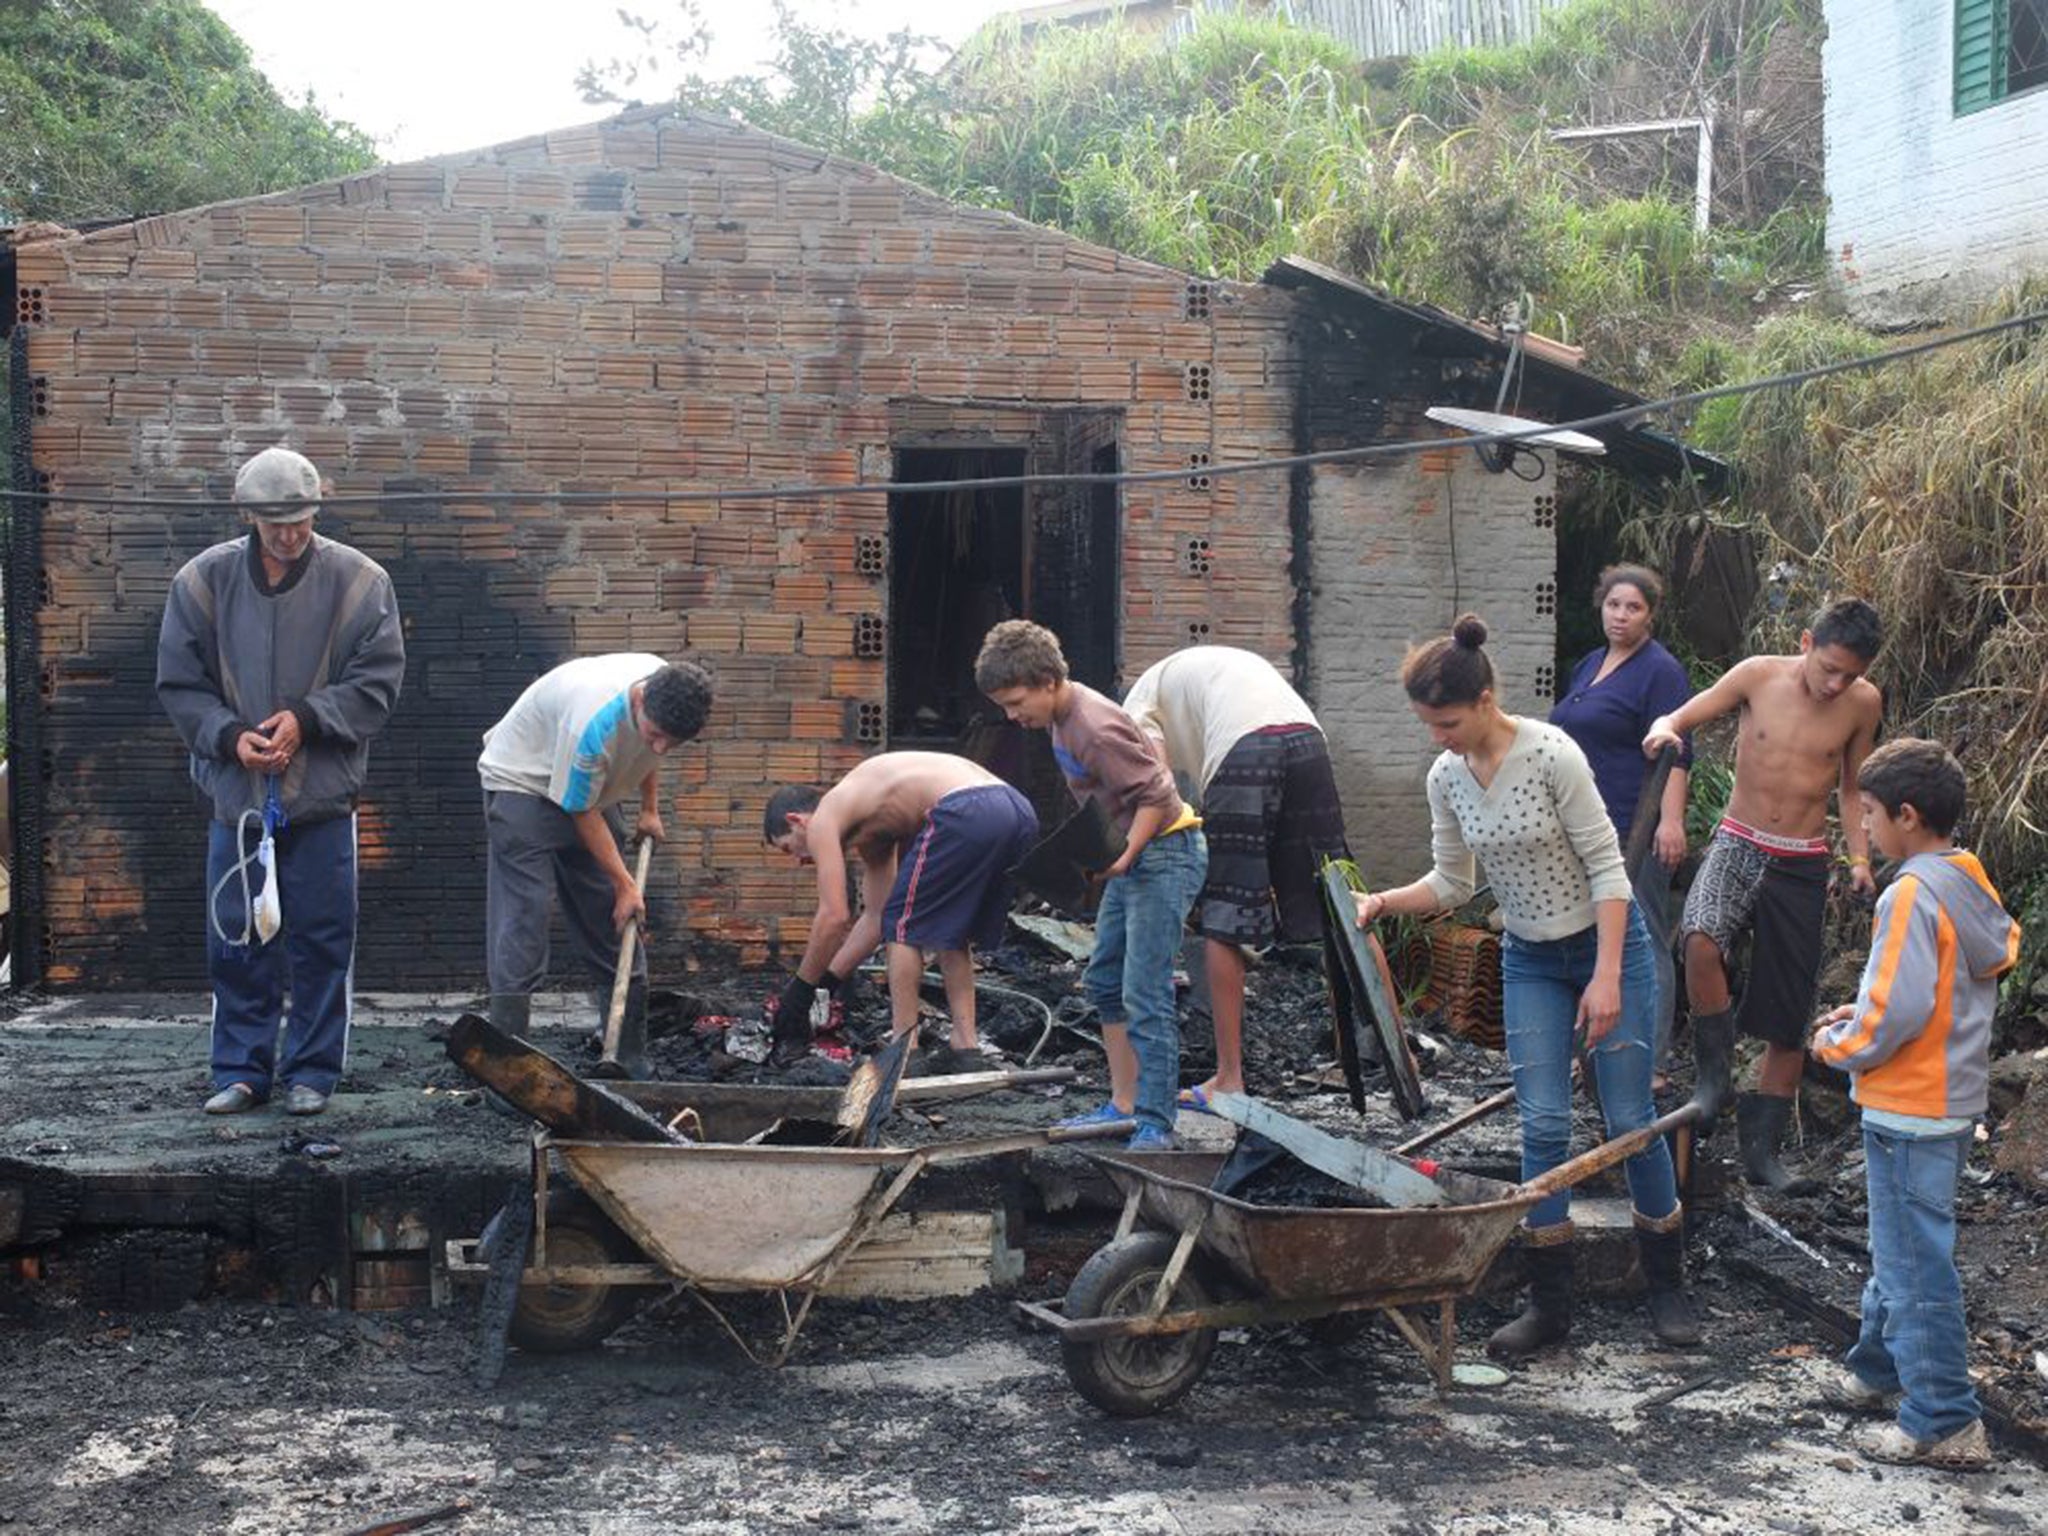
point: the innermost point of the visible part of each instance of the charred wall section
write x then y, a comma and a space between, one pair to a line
659, 306
1399, 547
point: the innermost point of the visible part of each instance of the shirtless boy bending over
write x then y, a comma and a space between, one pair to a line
1808, 721
936, 836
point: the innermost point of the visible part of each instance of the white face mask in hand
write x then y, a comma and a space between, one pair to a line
269, 910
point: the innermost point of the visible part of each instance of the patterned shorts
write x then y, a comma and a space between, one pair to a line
1272, 816
1780, 899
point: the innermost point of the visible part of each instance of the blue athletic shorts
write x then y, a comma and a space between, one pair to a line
952, 879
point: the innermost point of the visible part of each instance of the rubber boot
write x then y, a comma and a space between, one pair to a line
1713, 1054
1760, 1121
631, 1061
510, 1013
1662, 1248
1547, 1318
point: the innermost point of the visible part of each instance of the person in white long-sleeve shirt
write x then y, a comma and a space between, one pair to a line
1516, 797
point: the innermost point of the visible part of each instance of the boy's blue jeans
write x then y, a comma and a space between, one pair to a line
1138, 932
1914, 1339
1540, 984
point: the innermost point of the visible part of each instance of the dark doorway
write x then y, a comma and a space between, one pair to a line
960, 561
956, 568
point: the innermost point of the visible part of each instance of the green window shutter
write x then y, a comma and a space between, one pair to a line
1981, 34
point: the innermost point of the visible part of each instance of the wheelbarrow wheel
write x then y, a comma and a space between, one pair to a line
1136, 1374
555, 1319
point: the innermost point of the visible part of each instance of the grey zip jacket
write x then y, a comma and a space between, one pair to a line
325, 643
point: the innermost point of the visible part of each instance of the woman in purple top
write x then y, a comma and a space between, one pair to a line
1615, 693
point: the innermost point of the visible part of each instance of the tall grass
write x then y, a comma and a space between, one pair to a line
1923, 487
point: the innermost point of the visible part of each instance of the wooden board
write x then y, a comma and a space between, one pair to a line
1367, 1007
920, 1254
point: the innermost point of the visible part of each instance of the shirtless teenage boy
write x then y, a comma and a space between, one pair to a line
936, 835
1808, 721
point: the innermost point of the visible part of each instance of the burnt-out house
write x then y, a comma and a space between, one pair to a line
523, 368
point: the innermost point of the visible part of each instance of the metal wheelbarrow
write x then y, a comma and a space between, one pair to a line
682, 1186
708, 1218
1138, 1324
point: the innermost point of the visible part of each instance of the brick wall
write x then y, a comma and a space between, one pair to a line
1929, 214
1399, 551
657, 302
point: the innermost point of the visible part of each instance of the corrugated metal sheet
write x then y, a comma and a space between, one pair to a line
1381, 29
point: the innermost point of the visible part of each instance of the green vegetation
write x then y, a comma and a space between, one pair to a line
125, 107
1248, 139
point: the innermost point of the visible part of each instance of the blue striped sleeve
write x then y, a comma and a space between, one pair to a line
585, 780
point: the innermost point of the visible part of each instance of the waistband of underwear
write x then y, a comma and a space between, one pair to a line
1770, 842
971, 789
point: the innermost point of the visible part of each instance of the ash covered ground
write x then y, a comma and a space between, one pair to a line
238, 1416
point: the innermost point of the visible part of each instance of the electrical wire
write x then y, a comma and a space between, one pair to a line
239, 868
1620, 416
878, 968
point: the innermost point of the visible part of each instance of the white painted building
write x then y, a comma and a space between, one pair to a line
1937, 152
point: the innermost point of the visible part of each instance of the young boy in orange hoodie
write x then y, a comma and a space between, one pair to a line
1917, 1042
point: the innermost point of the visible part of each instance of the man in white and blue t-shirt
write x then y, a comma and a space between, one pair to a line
580, 741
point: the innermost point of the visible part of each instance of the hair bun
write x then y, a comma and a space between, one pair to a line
1469, 631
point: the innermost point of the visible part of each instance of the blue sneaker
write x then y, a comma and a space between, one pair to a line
1101, 1114
1151, 1139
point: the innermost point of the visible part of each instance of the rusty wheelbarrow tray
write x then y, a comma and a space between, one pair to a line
708, 1217
1139, 1322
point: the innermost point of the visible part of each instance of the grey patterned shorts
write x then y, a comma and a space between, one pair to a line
1781, 900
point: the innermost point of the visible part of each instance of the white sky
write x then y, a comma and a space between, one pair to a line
431, 77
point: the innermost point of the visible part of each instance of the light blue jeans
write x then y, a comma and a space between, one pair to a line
1138, 931
1914, 1339
1540, 984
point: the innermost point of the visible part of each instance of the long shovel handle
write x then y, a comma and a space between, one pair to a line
1457, 1122
622, 979
1642, 829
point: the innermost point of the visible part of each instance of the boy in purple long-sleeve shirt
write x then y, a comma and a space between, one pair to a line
1107, 758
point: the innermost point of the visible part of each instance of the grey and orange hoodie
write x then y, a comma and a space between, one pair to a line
1920, 1041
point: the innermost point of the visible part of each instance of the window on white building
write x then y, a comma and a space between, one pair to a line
2001, 50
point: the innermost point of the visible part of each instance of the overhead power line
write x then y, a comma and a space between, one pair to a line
650, 493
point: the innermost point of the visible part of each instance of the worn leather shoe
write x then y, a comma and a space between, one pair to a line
232, 1100
1842, 1388
302, 1100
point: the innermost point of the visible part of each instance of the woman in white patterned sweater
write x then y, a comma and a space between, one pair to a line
1515, 798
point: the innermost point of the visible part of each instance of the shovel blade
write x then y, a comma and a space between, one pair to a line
871, 1092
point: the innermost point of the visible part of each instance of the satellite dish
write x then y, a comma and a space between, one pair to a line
1498, 456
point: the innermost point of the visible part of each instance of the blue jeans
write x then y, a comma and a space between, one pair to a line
1914, 1340
1138, 933
315, 950
1540, 984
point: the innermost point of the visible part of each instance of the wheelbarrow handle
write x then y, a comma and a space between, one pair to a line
1608, 1153
1100, 1130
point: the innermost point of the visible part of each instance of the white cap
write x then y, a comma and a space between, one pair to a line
284, 485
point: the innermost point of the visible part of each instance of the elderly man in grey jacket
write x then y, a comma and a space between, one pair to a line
280, 657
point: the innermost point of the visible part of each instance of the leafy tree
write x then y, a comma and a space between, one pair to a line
113, 108
877, 101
